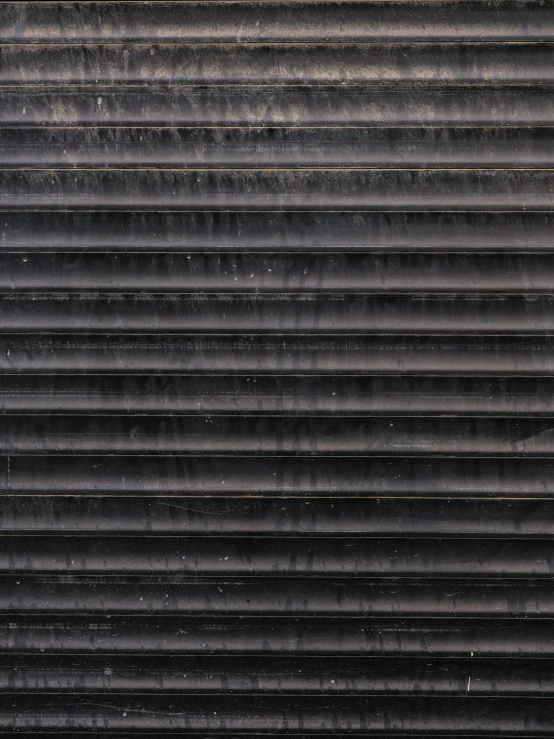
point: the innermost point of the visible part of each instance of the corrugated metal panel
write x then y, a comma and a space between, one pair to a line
276, 368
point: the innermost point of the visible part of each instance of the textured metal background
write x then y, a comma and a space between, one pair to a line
277, 368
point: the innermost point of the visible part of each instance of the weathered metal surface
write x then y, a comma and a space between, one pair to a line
276, 674
276, 368
279, 105
220, 148
276, 314
335, 274
328, 20
320, 395
240, 714
266, 475
276, 64
279, 557
254, 354
235, 435
320, 509
292, 231
292, 189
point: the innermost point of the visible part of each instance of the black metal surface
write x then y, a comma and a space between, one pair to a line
276, 368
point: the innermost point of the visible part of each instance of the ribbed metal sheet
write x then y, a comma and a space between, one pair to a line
277, 368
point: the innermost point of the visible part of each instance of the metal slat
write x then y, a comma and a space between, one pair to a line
316, 513
281, 147
350, 637
303, 233
277, 314
275, 675
276, 64
261, 189
245, 435
220, 715
278, 105
254, 354
243, 598
329, 21
339, 476
462, 274
276, 558
273, 395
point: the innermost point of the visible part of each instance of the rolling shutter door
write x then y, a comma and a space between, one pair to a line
276, 360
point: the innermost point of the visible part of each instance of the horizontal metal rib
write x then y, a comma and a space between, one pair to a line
305, 274
251, 354
230, 147
108, 22
186, 556
282, 314
359, 637
306, 598
293, 231
296, 395
324, 105
235, 435
242, 476
274, 675
276, 64
149, 512
315, 189
221, 715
